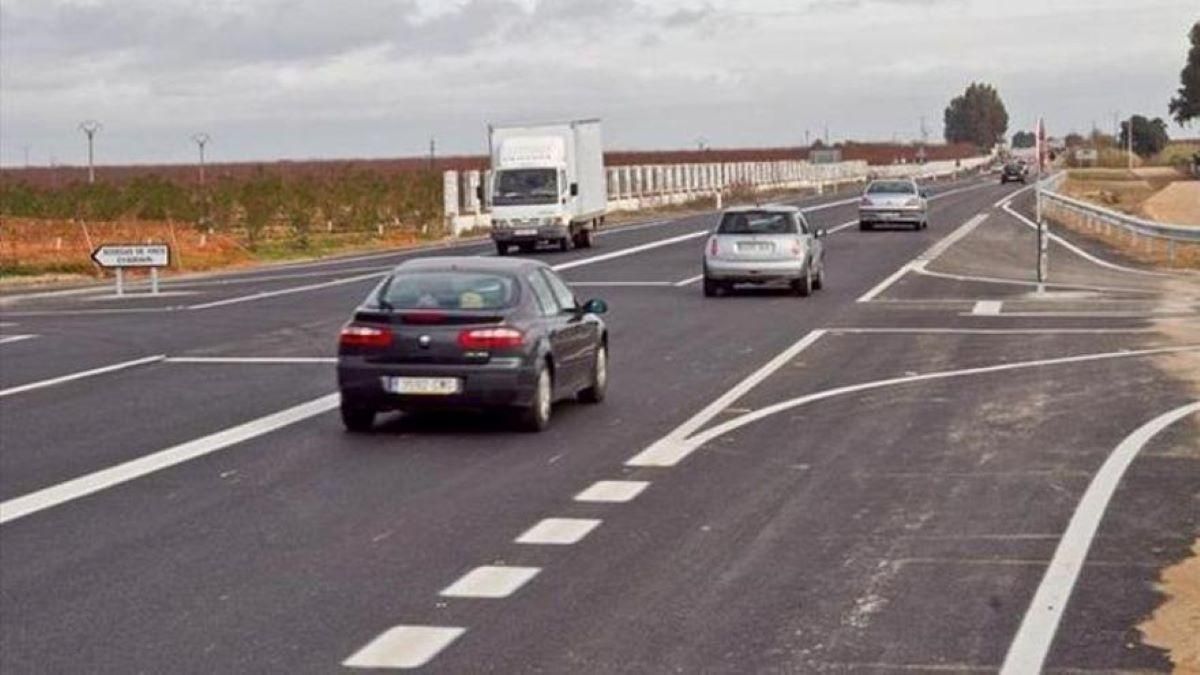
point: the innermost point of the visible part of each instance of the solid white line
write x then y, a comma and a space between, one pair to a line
838, 228
558, 531
404, 647
1086, 315
612, 491
987, 308
992, 331
689, 281
80, 375
667, 450
1029, 648
101, 480
1080, 252
1017, 282
1007, 199
286, 291
928, 256
6, 339
620, 253
631, 284
490, 581
251, 359
709, 434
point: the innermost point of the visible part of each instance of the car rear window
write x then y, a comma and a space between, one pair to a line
757, 222
448, 290
891, 187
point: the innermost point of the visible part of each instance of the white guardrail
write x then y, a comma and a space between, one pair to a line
631, 188
1096, 218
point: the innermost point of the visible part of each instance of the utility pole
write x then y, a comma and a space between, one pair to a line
90, 127
432, 153
201, 139
25, 149
807, 142
826, 133
924, 141
1130, 135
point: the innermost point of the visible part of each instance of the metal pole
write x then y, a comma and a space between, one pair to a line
1130, 141
120, 281
154, 281
201, 140
90, 127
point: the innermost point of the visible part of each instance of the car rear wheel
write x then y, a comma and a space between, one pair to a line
711, 288
864, 226
819, 281
357, 418
536, 417
501, 248
583, 239
803, 287
596, 392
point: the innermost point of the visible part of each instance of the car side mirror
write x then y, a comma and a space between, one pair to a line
924, 194
820, 233
574, 189
595, 306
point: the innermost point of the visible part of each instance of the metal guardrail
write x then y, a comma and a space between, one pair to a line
1097, 217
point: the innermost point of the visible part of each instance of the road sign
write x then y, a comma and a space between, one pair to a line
136, 255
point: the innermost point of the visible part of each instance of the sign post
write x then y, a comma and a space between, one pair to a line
1041, 223
119, 256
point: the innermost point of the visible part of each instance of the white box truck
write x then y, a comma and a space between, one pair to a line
547, 184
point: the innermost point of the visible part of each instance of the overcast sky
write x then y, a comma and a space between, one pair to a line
272, 79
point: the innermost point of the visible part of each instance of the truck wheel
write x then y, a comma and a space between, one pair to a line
501, 248
564, 244
584, 239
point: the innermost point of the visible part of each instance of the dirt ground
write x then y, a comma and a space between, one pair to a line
1175, 625
1178, 204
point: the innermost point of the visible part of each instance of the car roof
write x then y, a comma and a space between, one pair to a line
774, 208
470, 264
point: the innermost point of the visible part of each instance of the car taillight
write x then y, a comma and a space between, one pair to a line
713, 248
365, 336
487, 339
798, 249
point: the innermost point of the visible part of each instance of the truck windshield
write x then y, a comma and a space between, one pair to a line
525, 186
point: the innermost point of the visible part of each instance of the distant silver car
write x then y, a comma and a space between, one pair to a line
761, 245
897, 201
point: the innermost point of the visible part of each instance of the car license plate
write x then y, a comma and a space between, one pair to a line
890, 215
422, 386
525, 233
754, 246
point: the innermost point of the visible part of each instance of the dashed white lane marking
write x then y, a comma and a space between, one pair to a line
993, 331
80, 375
987, 307
689, 281
490, 581
838, 228
1029, 648
252, 359
101, 480
925, 258
612, 491
670, 449
559, 531
404, 647
6, 339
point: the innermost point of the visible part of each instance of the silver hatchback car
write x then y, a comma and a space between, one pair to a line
893, 202
761, 245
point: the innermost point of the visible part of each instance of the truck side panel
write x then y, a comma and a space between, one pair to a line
589, 170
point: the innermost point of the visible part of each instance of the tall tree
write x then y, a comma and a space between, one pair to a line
1186, 106
1024, 139
1149, 135
977, 116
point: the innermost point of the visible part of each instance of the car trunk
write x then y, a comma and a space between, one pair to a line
429, 337
756, 247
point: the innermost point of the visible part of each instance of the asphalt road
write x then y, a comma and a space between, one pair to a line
874, 479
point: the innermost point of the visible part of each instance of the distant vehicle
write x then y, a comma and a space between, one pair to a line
763, 245
1013, 172
547, 185
477, 333
894, 202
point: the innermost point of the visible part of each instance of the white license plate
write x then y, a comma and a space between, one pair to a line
525, 233
422, 386
754, 246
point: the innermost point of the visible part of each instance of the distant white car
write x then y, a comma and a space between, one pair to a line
898, 201
761, 245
